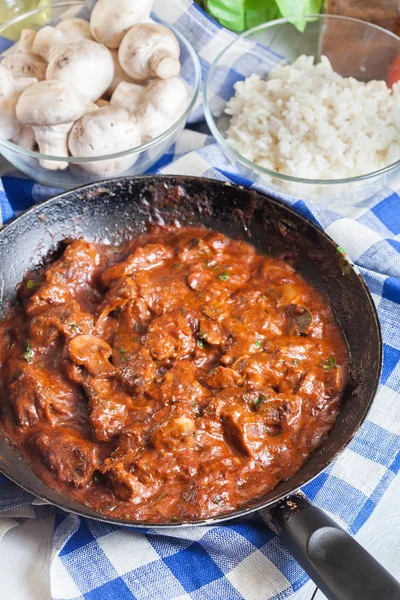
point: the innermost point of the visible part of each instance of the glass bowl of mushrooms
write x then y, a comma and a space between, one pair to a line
92, 91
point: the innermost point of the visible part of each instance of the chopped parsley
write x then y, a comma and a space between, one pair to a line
258, 343
340, 250
259, 400
74, 326
223, 276
329, 364
31, 283
288, 223
177, 265
264, 297
28, 354
122, 353
174, 519
193, 403
183, 311
217, 500
200, 343
295, 362
136, 339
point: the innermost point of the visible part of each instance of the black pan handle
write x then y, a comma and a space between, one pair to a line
341, 568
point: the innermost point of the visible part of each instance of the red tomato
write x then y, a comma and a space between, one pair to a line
393, 74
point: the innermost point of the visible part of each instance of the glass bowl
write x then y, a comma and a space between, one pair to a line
143, 156
355, 48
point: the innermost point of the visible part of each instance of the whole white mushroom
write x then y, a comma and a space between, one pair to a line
107, 130
25, 64
86, 65
67, 31
149, 50
51, 108
157, 105
111, 19
10, 91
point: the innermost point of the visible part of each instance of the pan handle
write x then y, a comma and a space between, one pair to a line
341, 568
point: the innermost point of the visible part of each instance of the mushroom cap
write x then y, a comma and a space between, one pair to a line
25, 64
143, 42
47, 37
169, 96
86, 65
111, 19
50, 103
75, 29
107, 130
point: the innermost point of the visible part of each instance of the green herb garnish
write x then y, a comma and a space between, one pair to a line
136, 340
183, 311
223, 276
28, 354
258, 343
329, 364
31, 283
340, 250
200, 343
193, 403
217, 500
74, 326
295, 362
264, 297
122, 353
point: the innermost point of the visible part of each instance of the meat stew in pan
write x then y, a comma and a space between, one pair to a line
178, 376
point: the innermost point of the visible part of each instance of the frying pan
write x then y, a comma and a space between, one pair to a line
115, 210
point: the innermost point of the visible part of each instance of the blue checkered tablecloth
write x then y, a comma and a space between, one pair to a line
240, 560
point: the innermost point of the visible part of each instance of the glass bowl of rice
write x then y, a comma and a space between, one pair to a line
305, 110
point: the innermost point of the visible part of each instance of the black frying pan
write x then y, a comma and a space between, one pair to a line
117, 209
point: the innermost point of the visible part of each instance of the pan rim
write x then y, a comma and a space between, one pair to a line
255, 506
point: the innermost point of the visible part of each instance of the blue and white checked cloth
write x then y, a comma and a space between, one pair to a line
240, 560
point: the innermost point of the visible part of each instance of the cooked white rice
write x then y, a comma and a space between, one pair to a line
307, 121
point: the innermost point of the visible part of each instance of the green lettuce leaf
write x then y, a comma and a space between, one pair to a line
298, 9
239, 15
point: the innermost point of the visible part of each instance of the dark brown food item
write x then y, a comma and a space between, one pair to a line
177, 377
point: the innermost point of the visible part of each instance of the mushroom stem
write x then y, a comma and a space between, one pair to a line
52, 140
164, 65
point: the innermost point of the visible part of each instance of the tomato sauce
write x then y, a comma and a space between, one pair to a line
176, 377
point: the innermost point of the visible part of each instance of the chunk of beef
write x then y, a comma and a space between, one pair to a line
138, 371
76, 266
170, 336
210, 331
40, 393
118, 295
126, 485
108, 407
70, 457
67, 319
47, 296
142, 259
179, 385
224, 377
